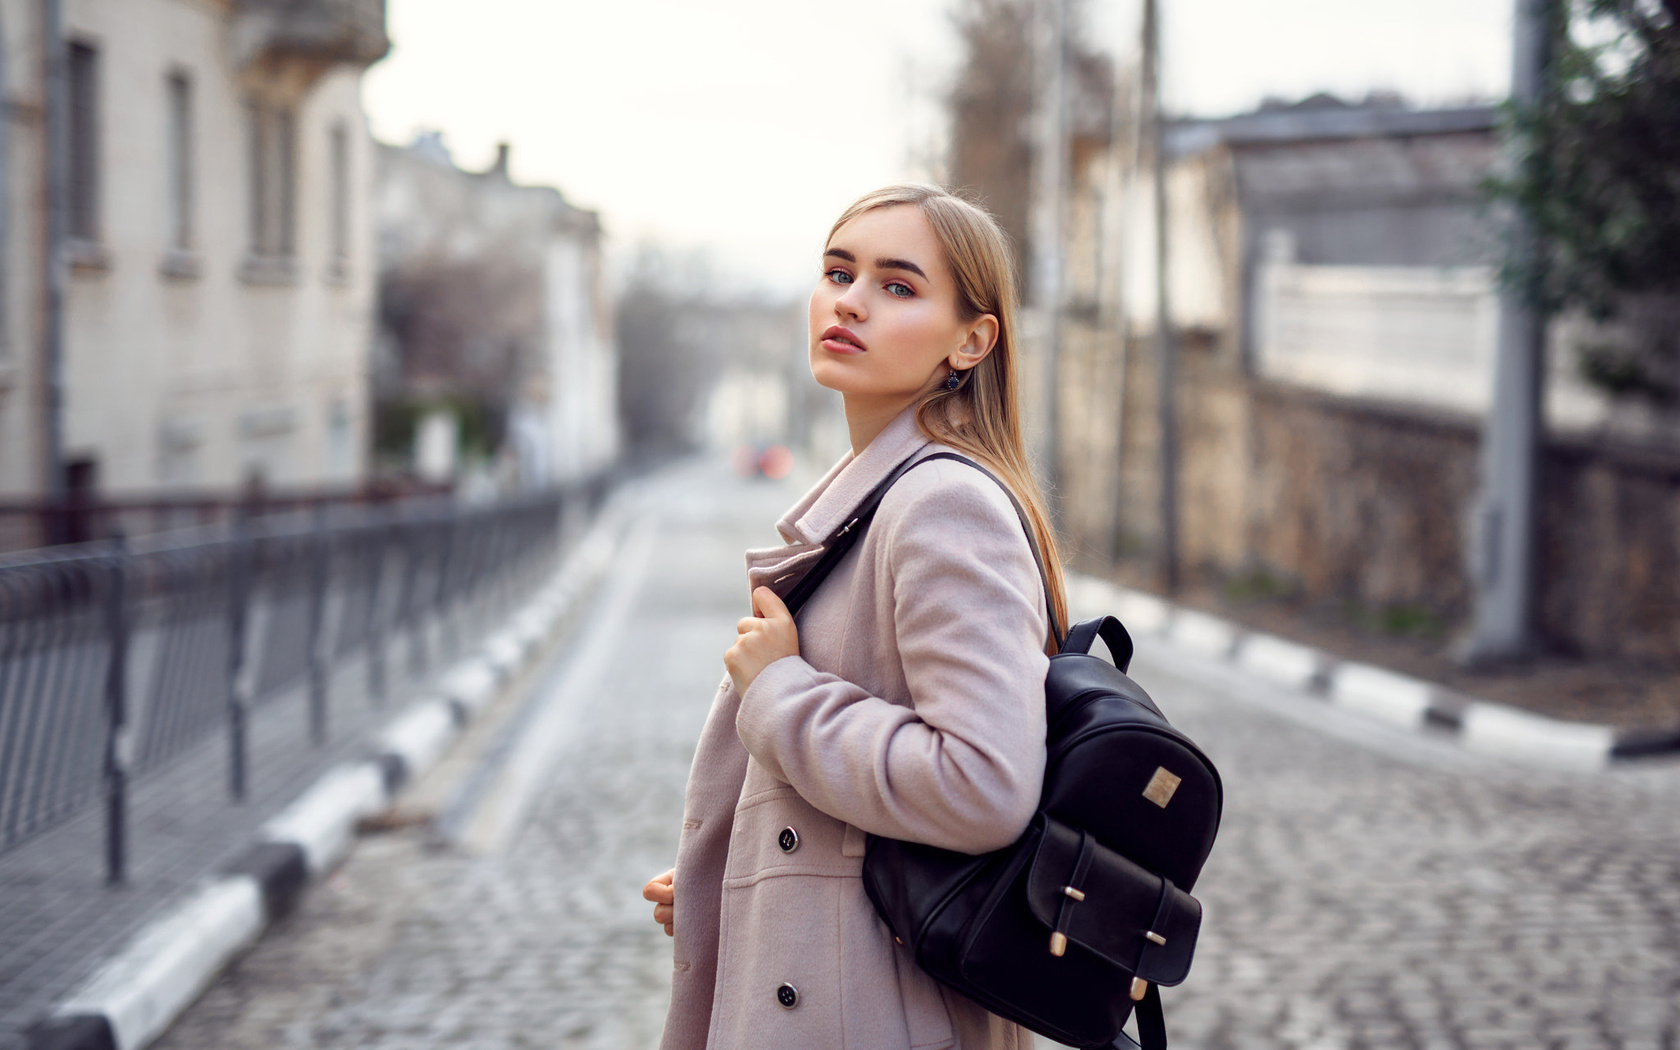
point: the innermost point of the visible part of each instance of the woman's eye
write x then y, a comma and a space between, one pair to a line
839, 276
900, 289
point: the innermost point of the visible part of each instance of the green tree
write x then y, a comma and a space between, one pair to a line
1601, 184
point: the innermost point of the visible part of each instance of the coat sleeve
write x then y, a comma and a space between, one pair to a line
961, 767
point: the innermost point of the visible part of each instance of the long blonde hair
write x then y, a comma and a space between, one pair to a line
982, 417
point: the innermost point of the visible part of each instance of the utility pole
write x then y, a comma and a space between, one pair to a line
1502, 560
1166, 357
1050, 174
1125, 160
56, 89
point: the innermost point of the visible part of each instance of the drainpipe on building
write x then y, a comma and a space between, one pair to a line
56, 165
1503, 537
1166, 359
1048, 231
1125, 140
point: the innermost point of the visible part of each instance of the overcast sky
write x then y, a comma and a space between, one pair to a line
741, 128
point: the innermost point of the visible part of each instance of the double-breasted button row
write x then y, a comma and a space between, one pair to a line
786, 994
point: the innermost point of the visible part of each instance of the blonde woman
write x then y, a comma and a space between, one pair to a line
908, 699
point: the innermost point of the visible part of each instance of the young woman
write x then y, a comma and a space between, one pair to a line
908, 700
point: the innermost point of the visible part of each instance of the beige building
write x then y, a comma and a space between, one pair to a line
218, 298
493, 302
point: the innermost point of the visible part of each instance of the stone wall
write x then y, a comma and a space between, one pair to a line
1610, 552
1334, 499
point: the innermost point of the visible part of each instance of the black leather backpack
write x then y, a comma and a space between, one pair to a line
1076, 924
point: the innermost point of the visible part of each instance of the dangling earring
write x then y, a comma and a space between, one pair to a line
952, 380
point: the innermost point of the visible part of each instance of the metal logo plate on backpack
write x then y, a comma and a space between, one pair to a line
1161, 787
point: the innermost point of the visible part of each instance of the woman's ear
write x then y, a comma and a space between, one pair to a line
982, 336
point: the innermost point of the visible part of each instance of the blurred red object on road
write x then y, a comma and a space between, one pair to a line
774, 461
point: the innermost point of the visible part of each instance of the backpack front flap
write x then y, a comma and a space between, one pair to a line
1089, 897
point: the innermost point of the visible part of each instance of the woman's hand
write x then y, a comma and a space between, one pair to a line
763, 639
661, 891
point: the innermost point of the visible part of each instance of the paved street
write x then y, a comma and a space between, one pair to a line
1370, 889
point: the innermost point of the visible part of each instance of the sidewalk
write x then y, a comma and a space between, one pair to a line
66, 930
1617, 693
61, 919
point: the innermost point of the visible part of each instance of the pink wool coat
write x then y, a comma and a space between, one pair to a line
914, 710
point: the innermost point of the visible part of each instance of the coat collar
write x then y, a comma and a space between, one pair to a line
821, 511
825, 508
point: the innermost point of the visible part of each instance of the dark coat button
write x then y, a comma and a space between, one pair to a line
788, 840
788, 996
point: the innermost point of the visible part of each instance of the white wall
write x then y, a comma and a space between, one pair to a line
582, 367
1407, 334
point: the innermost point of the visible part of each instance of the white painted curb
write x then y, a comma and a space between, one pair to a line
1381, 694
1201, 633
472, 682
1277, 660
1488, 728
420, 736
1141, 613
171, 960
1088, 596
323, 821
532, 626
1493, 729
504, 653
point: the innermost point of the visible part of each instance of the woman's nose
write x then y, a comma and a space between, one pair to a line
850, 304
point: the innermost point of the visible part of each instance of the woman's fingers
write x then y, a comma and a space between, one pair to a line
659, 889
762, 640
770, 605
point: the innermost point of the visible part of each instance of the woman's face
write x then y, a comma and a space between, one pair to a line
884, 320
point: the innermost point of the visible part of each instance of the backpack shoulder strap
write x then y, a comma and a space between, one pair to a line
841, 542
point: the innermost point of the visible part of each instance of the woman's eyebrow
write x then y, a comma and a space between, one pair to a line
880, 264
900, 264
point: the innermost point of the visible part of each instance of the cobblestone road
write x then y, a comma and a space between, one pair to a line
1370, 889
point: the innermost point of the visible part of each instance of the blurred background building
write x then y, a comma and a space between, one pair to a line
494, 314
1333, 273
217, 285
218, 302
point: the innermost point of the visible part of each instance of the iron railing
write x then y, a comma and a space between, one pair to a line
30, 522
118, 656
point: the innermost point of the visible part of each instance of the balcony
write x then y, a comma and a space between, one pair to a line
313, 34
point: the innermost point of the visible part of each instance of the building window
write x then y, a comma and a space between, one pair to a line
338, 152
180, 162
273, 180
84, 142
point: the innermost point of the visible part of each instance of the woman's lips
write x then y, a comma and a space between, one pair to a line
838, 340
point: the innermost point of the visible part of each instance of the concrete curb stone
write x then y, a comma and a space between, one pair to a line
1201, 633
1380, 693
1281, 661
1478, 725
133, 997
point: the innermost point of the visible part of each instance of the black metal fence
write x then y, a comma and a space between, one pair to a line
117, 656
80, 517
